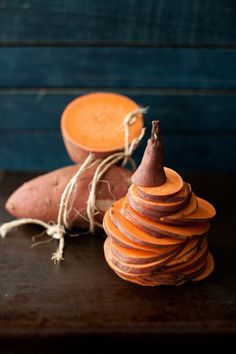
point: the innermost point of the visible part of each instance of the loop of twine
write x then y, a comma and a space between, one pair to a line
58, 230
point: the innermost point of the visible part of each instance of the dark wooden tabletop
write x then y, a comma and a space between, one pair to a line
82, 302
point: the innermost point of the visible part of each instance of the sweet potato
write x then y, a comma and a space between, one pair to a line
40, 197
157, 234
95, 122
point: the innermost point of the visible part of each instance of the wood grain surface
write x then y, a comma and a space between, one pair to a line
118, 67
142, 22
176, 56
46, 307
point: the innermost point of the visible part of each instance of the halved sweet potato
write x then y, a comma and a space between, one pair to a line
95, 123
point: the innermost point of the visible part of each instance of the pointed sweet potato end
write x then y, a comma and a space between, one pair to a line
150, 172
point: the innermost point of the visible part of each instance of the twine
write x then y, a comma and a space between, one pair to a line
58, 230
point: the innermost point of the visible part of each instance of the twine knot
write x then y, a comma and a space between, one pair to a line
55, 231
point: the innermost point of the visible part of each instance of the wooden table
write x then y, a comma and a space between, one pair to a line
81, 302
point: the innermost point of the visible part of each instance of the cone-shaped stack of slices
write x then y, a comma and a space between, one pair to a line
158, 233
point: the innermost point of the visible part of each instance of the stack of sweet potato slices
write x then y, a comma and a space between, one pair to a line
158, 235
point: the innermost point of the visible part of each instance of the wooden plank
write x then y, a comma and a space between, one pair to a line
183, 152
163, 22
205, 153
117, 67
32, 151
81, 303
179, 113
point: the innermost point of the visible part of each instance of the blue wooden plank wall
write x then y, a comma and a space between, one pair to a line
178, 57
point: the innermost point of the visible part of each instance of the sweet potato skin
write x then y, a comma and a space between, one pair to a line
78, 154
40, 197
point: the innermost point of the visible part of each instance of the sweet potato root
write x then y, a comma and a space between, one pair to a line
40, 197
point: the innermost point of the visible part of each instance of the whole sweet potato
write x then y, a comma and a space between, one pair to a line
40, 197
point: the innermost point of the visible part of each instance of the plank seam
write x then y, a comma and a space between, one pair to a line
128, 90
167, 132
68, 43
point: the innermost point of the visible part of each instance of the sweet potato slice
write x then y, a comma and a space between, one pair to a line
173, 185
135, 268
178, 217
196, 270
180, 276
187, 252
177, 197
126, 276
136, 256
204, 212
200, 254
209, 267
136, 234
163, 206
148, 213
200, 271
119, 238
133, 277
160, 229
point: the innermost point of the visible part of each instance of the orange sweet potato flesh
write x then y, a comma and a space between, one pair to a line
191, 261
141, 268
159, 277
173, 185
159, 211
176, 197
190, 209
163, 206
188, 260
204, 212
132, 256
118, 238
209, 267
198, 211
141, 258
156, 228
40, 197
138, 235
95, 122
187, 252
183, 213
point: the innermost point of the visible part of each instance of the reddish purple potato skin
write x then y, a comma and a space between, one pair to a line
40, 197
